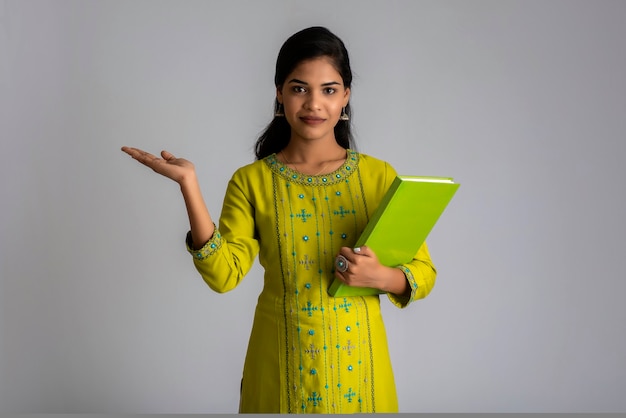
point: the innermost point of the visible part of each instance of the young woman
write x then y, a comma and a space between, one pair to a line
303, 202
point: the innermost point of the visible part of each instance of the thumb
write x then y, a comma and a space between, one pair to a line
167, 155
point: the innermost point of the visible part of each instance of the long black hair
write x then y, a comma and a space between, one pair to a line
313, 42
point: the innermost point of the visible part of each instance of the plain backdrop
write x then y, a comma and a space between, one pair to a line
522, 102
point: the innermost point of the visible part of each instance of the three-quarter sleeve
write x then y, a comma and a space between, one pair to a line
228, 256
421, 275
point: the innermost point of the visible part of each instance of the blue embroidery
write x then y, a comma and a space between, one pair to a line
315, 398
303, 215
342, 212
350, 395
309, 310
345, 305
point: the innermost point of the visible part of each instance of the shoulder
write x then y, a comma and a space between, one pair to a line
248, 177
376, 170
250, 171
373, 163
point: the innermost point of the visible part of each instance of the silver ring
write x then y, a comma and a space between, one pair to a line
341, 263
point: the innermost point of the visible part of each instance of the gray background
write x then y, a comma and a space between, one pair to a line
523, 102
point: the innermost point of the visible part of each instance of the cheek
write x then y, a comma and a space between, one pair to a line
291, 104
337, 108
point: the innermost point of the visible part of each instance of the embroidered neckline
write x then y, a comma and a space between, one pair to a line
339, 175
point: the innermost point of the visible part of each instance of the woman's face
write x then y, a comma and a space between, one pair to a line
313, 96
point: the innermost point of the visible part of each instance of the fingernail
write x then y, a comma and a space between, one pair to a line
357, 250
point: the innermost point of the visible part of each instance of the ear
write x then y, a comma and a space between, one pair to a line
346, 97
279, 95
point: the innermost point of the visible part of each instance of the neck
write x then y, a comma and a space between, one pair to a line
313, 153
313, 161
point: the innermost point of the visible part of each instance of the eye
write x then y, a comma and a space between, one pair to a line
298, 89
329, 90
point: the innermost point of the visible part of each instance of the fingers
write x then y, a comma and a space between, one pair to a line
136, 153
351, 261
352, 253
363, 250
167, 155
143, 157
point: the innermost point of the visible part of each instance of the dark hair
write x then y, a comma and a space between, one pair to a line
313, 42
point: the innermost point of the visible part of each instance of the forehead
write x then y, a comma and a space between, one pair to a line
315, 70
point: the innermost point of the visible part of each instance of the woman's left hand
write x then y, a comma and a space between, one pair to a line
362, 269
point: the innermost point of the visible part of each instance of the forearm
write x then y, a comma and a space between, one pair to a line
200, 221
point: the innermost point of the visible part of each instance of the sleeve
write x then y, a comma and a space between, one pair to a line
228, 256
421, 275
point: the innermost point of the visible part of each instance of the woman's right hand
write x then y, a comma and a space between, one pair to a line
177, 169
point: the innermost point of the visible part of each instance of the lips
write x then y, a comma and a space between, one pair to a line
311, 120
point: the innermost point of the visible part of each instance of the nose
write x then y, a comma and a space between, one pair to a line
313, 100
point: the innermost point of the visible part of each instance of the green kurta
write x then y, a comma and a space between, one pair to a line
308, 352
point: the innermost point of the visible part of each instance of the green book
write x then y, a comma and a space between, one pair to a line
400, 224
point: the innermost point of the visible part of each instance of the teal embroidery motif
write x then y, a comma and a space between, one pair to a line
315, 398
345, 305
303, 215
338, 175
349, 395
210, 248
341, 212
309, 311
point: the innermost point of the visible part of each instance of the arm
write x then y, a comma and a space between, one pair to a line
200, 221
182, 172
221, 260
231, 250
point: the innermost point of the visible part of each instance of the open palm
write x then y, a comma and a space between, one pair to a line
168, 165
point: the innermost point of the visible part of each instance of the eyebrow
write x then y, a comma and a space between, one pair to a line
330, 83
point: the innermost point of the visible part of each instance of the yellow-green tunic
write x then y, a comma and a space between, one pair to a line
308, 352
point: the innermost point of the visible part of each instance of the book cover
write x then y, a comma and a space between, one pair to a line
400, 224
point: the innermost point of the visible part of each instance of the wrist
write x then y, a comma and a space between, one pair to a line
393, 281
188, 181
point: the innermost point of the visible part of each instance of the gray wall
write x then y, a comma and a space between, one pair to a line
523, 102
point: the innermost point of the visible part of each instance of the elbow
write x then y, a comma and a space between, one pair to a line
221, 287
220, 280
429, 282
